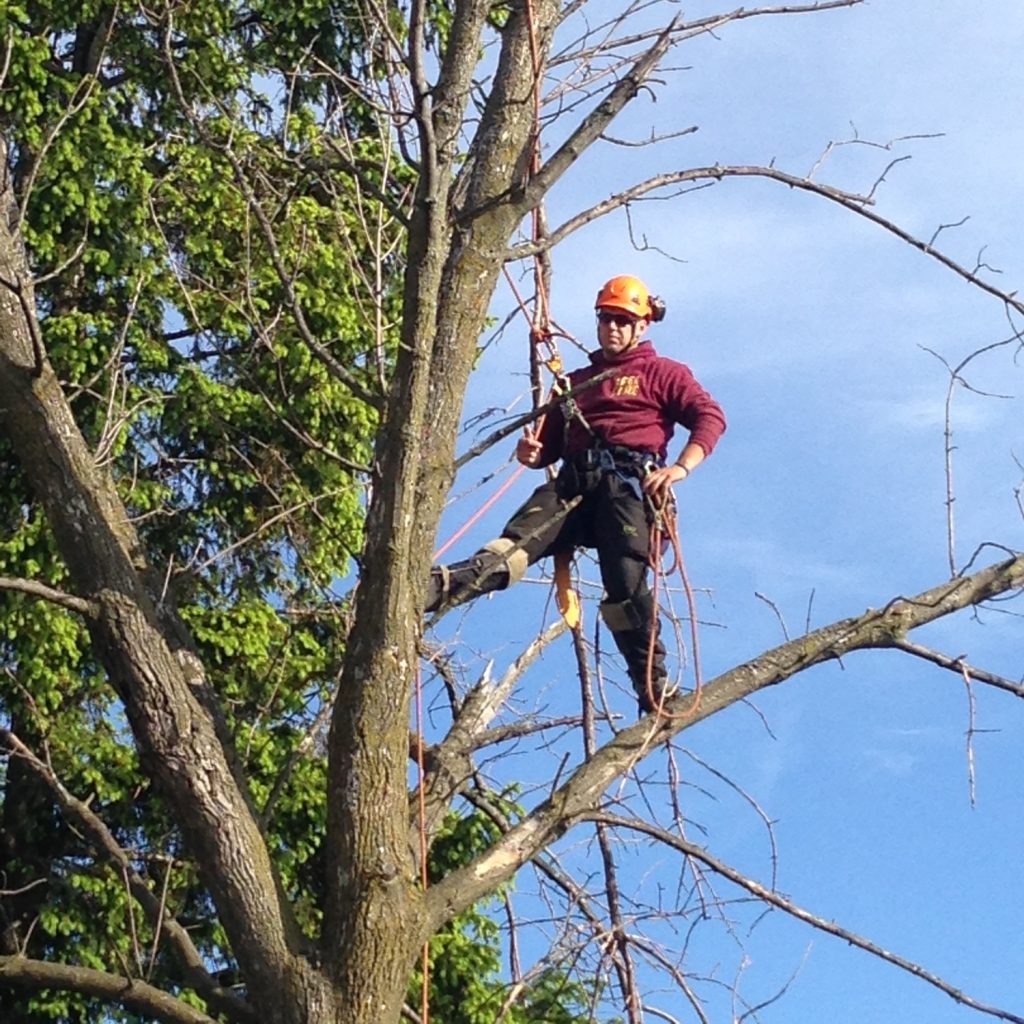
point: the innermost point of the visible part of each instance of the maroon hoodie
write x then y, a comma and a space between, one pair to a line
637, 407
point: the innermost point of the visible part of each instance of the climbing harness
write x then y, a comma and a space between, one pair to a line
627, 464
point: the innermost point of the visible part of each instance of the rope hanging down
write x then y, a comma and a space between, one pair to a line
665, 527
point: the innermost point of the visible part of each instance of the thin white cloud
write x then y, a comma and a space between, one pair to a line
890, 762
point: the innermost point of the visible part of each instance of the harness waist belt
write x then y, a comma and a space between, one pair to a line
615, 459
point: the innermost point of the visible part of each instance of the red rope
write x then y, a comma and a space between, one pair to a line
461, 531
420, 762
666, 515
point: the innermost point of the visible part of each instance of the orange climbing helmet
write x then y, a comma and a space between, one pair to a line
630, 295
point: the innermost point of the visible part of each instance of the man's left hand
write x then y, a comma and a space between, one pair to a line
658, 483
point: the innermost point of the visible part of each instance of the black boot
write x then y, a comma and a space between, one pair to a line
649, 697
461, 581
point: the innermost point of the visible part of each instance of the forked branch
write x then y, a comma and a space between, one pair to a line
772, 898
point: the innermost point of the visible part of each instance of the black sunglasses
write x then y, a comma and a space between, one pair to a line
619, 319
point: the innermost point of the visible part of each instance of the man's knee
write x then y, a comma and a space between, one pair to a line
635, 613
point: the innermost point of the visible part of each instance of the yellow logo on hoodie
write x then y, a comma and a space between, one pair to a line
627, 385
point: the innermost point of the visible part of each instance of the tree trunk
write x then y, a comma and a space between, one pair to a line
143, 646
459, 235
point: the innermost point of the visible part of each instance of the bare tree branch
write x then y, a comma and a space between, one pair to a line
958, 665
772, 898
590, 129
851, 201
34, 588
451, 762
956, 377
521, 421
577, 798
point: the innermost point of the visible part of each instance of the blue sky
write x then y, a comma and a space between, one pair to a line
810, 326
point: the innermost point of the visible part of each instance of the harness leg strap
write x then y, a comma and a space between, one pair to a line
515, 561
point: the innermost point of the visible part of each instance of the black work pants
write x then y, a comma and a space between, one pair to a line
610, 518
614, 521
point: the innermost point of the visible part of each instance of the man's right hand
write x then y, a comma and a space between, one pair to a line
528, 448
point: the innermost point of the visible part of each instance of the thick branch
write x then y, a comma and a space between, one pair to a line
46, 593
527, 417
581, 795
589, 131
96, 831
454, 85
130, 993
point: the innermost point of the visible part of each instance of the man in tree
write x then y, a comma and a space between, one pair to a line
613, 440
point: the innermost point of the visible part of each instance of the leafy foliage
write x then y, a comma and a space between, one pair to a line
199, 283
191, 333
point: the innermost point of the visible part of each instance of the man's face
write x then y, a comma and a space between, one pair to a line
618, 332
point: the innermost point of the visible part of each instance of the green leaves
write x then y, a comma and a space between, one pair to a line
467, 985
214, 232
189, 267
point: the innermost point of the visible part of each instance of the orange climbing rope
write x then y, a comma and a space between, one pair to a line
665, 526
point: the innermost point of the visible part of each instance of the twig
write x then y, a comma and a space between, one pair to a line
781, 903
958, 665
971, 710
858, 204
775, 608
956, 377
